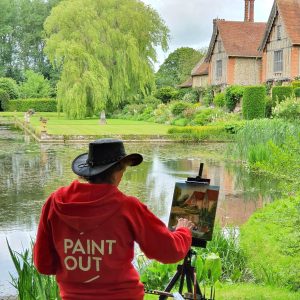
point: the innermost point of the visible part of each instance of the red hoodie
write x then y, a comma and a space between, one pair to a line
86, 238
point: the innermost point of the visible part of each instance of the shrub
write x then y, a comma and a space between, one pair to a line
219, 100
40, 105
178, 107
273, 232
4, 98
297, 92
35, 86
204, 116
208, 96
10, 86
152, 101
191, 97
296, 84
288, 109
166, 94
254, 105
233, 94
279, 93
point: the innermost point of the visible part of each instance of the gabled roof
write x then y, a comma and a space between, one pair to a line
240, 39
188, 83
201, 68
289, 11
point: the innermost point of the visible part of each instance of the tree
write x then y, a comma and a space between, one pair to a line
178, 66
35, 86
106, 50
22, 37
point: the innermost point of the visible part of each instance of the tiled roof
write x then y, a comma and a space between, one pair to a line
200, 69
239, 39
289, 11
187, 83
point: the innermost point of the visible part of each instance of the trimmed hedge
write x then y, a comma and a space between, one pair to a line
40, 105
280, 93
254, 102
4, 98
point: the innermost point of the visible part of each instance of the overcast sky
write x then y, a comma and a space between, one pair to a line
191, 21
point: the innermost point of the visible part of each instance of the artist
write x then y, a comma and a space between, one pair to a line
87, 230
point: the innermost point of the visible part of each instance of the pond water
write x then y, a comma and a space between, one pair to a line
29, 172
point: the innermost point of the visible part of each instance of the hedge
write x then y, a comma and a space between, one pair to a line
200, 133
254, 102
297, 92
279, 93
40, 105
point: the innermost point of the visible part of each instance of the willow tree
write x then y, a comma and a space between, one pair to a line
105, 49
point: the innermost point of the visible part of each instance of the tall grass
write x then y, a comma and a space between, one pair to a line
29, 283
253, 140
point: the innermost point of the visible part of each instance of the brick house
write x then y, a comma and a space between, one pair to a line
233, 56
281, 42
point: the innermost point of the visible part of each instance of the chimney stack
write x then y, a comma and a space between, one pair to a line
246, 19
249, 11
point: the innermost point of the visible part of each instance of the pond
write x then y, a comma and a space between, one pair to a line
29, 172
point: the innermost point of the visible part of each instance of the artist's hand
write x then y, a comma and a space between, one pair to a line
185, 223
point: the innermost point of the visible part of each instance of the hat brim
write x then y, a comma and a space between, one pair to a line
81, 168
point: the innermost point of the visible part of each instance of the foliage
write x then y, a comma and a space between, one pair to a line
254, 105
279, 93
256, 134
151, 101
288, 109
199, 133
29, 283
208, 95
178, 107
295, 84
297, 92
177, 67
204, 116
166, 94
219, 100
269, 106
4, 98
35, 86
106, 51
233, 94
191, 97
39, 104
22, 39
273, 232
10, 86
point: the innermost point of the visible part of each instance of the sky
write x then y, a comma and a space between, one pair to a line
191, 21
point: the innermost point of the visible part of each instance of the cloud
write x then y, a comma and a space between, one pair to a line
191, 21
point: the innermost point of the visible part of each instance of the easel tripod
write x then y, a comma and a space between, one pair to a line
185, 272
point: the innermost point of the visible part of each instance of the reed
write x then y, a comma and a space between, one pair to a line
29, 283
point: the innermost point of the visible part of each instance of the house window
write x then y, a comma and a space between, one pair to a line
219, 46
219, 68
278, 61
279, 32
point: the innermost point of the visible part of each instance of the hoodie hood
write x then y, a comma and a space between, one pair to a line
84, 206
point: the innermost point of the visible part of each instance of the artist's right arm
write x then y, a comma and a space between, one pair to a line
154, 238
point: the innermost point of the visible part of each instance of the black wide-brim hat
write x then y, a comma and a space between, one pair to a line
102, 155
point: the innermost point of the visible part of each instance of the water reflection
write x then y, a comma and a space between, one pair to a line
29, 172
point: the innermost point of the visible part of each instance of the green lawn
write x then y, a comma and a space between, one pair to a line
248, 292
61, 126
